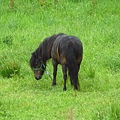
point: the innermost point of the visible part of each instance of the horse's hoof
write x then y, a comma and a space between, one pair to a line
64, 89
77, 89
53, 84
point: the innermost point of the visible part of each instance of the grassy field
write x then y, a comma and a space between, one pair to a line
23, 26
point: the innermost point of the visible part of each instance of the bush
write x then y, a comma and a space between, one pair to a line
10, 69
9, 64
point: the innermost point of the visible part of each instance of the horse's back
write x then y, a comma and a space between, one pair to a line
71, 42
62, 46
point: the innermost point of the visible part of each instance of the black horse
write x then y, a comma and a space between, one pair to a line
64, 50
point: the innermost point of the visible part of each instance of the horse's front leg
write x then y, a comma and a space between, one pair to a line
64, 69
55, 64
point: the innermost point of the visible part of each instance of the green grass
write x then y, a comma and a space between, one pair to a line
22, 29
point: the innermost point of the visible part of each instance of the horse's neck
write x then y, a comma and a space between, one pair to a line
46, 52
48, 43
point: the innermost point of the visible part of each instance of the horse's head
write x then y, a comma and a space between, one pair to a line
37, 66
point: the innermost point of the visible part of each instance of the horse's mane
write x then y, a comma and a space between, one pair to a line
50, 39
46, 45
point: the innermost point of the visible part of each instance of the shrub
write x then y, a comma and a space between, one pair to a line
10, 69
9, 64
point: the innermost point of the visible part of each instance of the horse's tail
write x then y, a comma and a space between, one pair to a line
72, 65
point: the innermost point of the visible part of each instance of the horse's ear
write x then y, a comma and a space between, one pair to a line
33, 54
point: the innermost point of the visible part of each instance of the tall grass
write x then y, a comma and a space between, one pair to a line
22, 29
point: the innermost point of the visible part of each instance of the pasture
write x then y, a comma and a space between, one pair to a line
24, 25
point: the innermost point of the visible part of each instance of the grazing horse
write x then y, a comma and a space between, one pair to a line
63, 49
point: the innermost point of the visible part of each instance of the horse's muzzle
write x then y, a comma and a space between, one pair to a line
38, 77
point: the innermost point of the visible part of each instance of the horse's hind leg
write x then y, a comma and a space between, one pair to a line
77, 75
64, 69
76, 83
71, 81
74, 79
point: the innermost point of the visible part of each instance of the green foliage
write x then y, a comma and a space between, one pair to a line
24, 26
8, 40
10, 70
9, 65
111, 112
